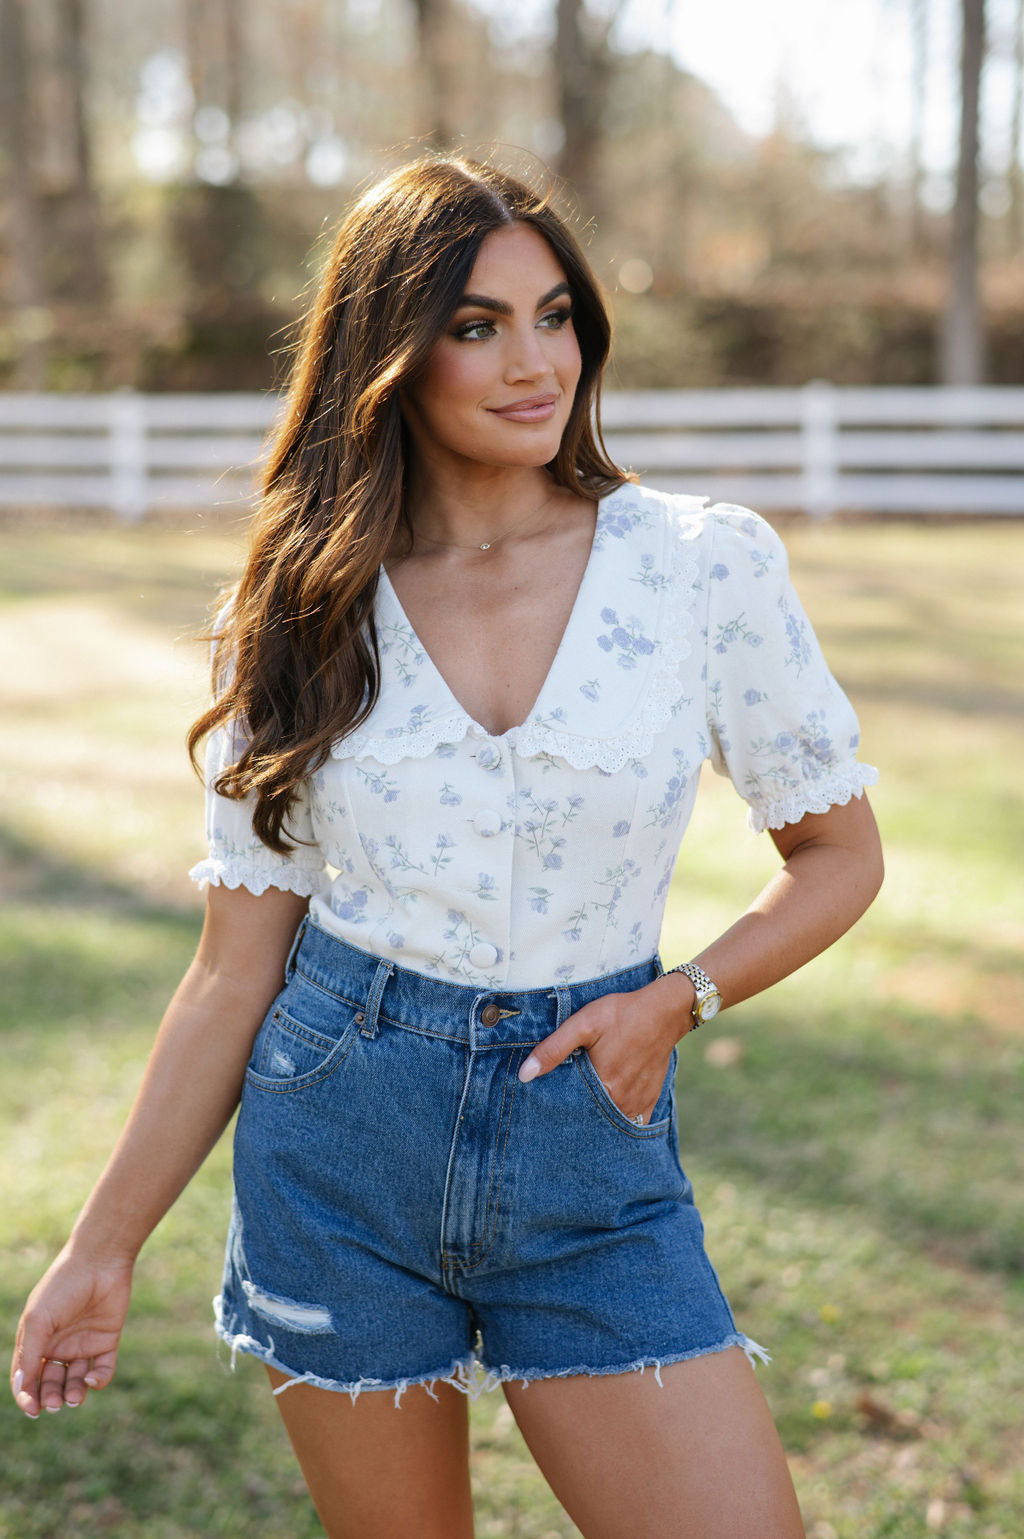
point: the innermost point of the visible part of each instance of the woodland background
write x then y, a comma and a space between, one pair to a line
171, 171
169, 175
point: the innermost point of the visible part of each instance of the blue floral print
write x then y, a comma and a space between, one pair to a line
627, 640
648, 576
380, 783
735, 630
399, 643
801, 653
549, 856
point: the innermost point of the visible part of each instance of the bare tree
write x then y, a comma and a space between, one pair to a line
919, 92
27, 288
962, 348
583, 69
436, 71
83, 220
216, 57
1014, 171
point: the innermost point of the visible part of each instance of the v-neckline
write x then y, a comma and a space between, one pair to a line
584, 582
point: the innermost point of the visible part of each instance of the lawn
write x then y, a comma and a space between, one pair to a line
854, 1135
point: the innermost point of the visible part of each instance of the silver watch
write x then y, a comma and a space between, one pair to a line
708, 1000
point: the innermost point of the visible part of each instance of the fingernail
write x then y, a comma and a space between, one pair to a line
52, 1408
530, 1069
91, 1381
19, 1379
72, 1405
32, 1415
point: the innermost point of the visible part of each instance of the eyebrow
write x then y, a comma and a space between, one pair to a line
499, 307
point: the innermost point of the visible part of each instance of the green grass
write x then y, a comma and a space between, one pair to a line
853, 1135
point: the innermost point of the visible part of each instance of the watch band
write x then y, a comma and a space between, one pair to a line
704, 987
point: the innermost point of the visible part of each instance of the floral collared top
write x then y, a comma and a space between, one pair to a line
545, 854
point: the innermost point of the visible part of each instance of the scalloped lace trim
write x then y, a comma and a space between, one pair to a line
535, 737
243, 873
836, 791
418, 744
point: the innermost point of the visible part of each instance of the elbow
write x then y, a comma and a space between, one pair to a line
872, 870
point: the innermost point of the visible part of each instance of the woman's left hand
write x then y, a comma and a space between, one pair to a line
629, 1038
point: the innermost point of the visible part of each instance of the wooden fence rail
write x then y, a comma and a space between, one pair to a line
820, 449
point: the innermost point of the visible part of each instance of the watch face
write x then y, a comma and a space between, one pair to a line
708, 1008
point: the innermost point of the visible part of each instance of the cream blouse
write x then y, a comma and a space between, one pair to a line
545, 854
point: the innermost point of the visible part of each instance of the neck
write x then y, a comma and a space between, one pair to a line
474, 510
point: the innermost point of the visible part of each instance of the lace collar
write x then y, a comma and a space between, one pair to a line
614, 680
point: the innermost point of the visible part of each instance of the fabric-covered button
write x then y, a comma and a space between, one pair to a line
490, 1015
487, 822
488, 757
483, 954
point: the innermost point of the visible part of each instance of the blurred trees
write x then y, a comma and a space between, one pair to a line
26, 291
962, 342
167, 169
584, 67
438, 69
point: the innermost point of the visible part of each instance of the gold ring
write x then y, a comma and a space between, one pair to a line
59, 1361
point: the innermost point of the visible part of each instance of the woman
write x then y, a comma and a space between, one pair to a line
473, 670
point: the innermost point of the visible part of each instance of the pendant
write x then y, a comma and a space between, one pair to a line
486, 545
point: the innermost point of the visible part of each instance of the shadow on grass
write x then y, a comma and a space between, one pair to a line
876, 1117
75, 943
31, 871
158, 577
886, 1111
966, 697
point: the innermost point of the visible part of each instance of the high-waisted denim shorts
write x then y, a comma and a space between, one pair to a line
407, 1211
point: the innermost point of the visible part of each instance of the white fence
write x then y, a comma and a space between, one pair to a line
820, 449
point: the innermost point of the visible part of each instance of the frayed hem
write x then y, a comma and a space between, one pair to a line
467, 1374
462, 1372
505, 1374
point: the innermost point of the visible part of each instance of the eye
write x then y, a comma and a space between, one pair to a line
554, 320
474, 331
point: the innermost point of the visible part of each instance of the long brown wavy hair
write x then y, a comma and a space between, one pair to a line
295, 657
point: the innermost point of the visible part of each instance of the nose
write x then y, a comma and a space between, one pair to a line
527, 357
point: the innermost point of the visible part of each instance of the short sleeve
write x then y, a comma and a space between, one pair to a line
238, 858
781, 728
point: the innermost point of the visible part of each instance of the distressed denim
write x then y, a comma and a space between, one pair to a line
407, 1211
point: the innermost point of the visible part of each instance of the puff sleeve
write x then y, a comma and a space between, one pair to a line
238, 858
780, 726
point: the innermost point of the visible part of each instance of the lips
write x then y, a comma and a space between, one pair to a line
534, 408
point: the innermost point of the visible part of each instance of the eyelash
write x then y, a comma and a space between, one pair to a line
561, 316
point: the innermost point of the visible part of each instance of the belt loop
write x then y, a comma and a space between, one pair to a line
373, 999
289, 966
564, 1005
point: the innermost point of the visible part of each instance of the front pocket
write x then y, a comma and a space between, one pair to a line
287, 1055
662, 1114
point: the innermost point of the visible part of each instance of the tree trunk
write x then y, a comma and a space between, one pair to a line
1014, 172
436, 75
214, 47
582, 67
27, 291
82, 223
962, 348
919, 93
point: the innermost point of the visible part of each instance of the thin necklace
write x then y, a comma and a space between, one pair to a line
486, 544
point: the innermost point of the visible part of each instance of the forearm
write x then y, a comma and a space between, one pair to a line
189, 1090
822, 889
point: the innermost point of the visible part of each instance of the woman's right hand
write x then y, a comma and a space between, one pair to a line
69, 1332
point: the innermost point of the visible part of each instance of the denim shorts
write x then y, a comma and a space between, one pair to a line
407, 1211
